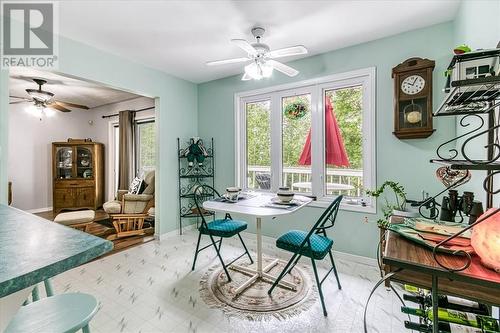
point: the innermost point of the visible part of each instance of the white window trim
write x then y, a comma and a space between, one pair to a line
366, 77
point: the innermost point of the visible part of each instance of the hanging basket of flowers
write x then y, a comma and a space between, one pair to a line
296, 110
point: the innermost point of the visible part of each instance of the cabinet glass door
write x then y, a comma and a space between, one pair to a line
84, 165
64, 162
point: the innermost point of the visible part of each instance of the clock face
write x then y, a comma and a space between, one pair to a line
413, 84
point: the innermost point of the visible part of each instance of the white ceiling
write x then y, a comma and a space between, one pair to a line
66, 89
178, 37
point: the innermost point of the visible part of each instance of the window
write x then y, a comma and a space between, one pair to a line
315, 137
145, 146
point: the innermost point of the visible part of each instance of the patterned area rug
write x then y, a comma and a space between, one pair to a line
254, 303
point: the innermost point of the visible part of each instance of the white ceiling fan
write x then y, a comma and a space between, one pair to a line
262, 58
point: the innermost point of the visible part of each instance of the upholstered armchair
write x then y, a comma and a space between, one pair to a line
128, 211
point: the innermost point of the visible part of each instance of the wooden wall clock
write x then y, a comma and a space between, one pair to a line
413, 98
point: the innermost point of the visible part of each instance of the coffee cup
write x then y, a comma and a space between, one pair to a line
232, 194
285, 196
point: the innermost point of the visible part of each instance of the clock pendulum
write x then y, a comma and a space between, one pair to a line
413, 113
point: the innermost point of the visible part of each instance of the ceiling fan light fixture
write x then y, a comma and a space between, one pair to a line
40, 95
257, 70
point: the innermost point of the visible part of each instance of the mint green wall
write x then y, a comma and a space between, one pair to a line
477, 24
176, 112
404, 161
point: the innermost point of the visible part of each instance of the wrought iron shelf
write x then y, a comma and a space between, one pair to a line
190, 177
196, 176
466, 165
208, 156
473, 96
191, 215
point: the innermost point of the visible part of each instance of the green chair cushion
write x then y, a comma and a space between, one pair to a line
291, 241
224, 228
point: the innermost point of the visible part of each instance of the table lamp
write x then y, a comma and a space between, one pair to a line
485, 240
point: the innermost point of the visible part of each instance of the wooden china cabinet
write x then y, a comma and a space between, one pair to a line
78, 175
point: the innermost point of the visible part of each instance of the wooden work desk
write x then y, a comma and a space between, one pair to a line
406, 262
418, 267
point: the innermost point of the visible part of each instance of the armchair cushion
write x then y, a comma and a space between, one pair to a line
135, 203
137, 197
112, 207
149, 179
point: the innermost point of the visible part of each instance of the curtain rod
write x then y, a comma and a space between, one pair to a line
140, 110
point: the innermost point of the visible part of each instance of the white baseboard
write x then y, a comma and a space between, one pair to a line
174, 232
38, 210
355, 258
271, 240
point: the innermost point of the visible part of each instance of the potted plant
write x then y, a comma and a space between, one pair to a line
392, 208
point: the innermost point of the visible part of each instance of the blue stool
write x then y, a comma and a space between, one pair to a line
65, 313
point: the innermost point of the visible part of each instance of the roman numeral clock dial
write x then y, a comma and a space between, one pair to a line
413, 84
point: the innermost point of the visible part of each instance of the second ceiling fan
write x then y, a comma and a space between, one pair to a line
262, 58
45, 99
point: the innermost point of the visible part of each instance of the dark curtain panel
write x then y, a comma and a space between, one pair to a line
126, 152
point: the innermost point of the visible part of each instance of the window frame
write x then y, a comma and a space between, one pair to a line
316, 87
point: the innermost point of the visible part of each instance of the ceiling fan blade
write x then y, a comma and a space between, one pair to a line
287, 51
58, 107
227, 61
17, 102
25, 98
246, 77
245, 46
285, 69
71, 105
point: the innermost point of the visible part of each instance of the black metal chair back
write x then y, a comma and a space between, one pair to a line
325, 221
201, 194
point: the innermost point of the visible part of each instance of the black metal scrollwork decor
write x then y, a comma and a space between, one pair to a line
453, 152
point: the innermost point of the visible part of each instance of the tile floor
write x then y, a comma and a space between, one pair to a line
150, 288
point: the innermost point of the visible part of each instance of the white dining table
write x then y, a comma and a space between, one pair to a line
257, 205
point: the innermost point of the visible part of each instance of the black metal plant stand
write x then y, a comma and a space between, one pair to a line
190, 178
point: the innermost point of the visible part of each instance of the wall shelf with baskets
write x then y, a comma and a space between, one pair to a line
191, 175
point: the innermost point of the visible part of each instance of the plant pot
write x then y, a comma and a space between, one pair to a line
405, 213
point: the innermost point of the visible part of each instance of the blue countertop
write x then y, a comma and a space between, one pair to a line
33, 249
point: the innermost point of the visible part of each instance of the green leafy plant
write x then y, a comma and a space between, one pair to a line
400, 198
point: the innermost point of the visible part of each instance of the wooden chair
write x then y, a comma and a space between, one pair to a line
313, 244
128, 211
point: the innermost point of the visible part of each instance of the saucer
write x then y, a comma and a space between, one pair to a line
277, 201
